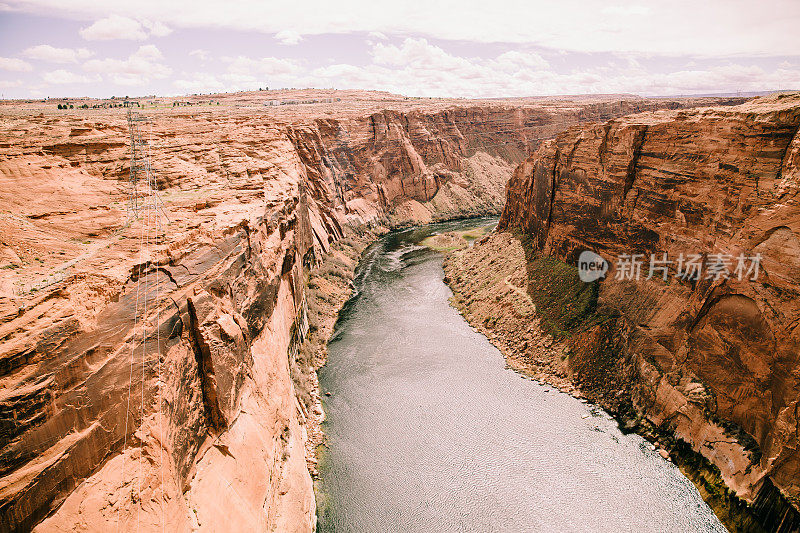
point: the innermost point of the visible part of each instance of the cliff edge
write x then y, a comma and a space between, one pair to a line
158, 374
714, 360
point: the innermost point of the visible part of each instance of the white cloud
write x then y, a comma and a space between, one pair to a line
352, 75
513, 60
157, 28
10, 84
14, 65
240, 82
265, 66
140, 67
45, 52
288, 37
202, 55
114, 27
148, 51
418, 53
247, 74
199, 83
627, 10
417, 67
63, 77
420, 64
717, 28
119, 27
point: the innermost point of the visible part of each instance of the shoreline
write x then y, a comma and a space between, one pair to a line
329, 287
339, 291
501, 310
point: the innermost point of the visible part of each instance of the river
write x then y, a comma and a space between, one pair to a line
429, 431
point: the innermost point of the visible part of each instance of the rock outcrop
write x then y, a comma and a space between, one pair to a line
152, 384
147, 371
422, 165
713, 361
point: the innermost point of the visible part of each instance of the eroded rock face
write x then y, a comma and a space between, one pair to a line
137, 422
423, 165
145, 370
715, 361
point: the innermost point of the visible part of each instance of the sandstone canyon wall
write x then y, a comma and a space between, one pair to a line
146, 372
421, 165
714, 362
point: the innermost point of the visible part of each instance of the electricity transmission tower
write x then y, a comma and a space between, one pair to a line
143, 189
145, 205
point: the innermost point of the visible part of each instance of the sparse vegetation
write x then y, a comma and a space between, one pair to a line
565, 303
334, 269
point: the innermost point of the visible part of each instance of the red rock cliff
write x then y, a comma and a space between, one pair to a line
717, 362
423, 165
100, 428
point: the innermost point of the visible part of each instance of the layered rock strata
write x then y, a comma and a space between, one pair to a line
715, 361
160, 376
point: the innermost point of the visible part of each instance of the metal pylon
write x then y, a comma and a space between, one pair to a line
142, 187
144, 204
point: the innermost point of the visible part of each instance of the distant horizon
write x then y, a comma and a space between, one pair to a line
738, 94
511, 48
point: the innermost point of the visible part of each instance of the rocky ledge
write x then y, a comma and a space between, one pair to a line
163, 375
711, 365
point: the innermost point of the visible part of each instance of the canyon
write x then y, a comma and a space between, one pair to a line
707, 367
164, 374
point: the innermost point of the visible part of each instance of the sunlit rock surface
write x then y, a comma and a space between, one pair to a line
717, 361
144, 371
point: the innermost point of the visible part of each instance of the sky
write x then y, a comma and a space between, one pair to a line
492, 48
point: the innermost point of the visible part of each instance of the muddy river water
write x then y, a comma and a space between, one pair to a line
429, 431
